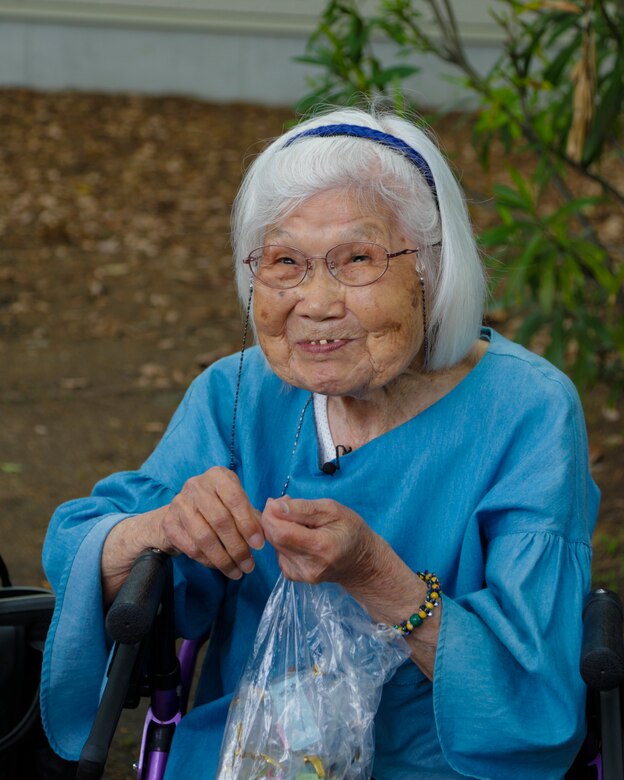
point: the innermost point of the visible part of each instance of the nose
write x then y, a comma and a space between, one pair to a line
315, 265
321, 296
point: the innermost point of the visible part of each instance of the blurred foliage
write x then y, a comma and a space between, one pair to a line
553, 100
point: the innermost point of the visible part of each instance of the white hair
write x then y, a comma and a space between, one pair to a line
282, 177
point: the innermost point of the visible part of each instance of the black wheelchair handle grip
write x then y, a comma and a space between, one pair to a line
602, 655
132, 613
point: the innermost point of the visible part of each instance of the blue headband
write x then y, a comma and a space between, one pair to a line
391, 141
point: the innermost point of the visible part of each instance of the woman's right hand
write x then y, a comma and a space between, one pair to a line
211, 520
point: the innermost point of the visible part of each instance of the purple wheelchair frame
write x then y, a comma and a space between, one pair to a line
165, 711
145, 663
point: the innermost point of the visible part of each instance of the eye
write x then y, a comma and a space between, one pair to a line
360, 258
279, 256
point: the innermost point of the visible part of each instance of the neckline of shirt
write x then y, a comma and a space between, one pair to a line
327, 446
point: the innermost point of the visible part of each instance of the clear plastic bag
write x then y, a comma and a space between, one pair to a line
307, 698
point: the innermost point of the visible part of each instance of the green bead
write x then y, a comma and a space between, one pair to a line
415, 620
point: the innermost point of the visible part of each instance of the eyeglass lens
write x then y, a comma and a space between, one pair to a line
355, 264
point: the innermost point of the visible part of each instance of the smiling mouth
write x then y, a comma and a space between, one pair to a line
322, 346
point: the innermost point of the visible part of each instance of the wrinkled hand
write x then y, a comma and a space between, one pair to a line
212, 521
320, 540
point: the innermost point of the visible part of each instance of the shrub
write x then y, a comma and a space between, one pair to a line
554, 97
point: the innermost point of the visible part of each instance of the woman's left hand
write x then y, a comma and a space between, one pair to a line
321, 540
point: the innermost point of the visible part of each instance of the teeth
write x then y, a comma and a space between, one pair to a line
323, 341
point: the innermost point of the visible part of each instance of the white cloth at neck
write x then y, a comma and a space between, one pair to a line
327, 448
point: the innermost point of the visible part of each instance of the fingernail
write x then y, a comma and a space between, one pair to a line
283, 507
256, 541
236, 574
247, 565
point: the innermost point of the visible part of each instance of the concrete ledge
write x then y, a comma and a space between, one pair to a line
276, 17
219, 57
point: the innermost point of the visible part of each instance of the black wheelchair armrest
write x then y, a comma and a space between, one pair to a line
602, 654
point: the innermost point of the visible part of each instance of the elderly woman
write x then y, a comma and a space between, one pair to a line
376, 432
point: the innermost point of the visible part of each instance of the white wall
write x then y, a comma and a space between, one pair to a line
236, 50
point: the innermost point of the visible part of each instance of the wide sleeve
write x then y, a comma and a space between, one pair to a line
508, 695
77, 647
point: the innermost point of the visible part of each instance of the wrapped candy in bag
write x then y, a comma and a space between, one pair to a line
306, 701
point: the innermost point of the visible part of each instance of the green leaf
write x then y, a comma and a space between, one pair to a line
519, 273
572, 208
561, 24
522, 187
595, 260
399, 72
555, 352
529, 327
546, 291
497, 235
10, 468
533, 248
323, 58
507, 196
357, 37
552, 73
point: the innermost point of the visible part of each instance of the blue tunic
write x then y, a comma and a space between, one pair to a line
489, 488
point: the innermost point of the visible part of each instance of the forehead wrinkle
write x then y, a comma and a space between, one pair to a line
277, 232
365, 231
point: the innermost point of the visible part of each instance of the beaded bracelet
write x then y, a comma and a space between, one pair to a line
432, 599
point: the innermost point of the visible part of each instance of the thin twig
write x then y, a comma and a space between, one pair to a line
615, 30
456, 56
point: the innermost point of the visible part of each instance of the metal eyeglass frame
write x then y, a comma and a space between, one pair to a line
308, 258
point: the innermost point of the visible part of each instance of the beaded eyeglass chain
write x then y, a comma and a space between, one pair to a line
237, 395
424, 314
239, 375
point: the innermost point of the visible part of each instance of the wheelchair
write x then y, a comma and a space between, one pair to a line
145, 662
25, 614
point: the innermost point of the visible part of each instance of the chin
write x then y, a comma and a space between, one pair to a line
330, 386
322, 379
313, 384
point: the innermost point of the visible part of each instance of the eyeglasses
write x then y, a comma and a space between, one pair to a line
355, 264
